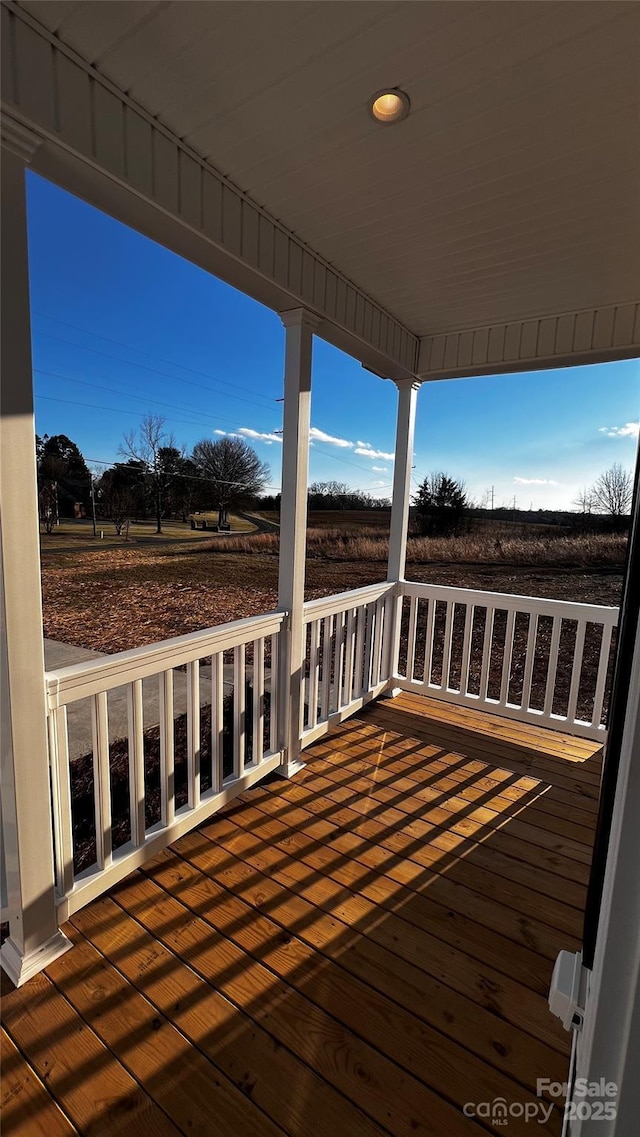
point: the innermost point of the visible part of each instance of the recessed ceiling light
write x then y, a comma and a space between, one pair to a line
390, 105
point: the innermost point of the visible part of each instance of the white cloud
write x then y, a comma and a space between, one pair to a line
380, 469
227, 433
258, 435
629, 430
321, 436
367, 452
366, 445
535, 482
220, 432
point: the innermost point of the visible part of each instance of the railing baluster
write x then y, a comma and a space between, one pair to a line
239, 712
552, 668
368, 643
377, 642
136, 761
529, 660
274, 737
338, 659
326, 667
217, 721
258, 702
507, 657
486, 654
446, 647
576, 671
466, 650
314, 674
428, 641
101, 778
167, 750
61, 794
603, 666
359, 664
349, 657
193, 733
411, 640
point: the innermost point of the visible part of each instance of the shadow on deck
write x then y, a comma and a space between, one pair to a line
362, 950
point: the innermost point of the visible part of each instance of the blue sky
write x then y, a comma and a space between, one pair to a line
122, 327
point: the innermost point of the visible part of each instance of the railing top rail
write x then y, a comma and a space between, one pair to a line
79, 680
569, 610
340, 601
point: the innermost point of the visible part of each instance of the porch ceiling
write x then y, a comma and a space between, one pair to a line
511, 190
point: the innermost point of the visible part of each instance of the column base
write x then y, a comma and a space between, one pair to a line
21, 968
391, 693
290, 769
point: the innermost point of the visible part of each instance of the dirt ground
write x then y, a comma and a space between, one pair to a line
123, 598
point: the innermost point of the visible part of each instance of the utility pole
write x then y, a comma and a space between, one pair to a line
93, 505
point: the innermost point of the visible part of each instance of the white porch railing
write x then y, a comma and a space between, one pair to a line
347, 659
177, 768
542, 661
179, 728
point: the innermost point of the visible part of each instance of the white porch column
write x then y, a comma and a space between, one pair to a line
299, 328
34, 939
405, 429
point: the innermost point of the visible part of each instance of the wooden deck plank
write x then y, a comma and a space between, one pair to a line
252, 1058
501, 785
454, 812
28, 1110
569, 770
532, 745
395, 884
411, 838
541, 739
414, 988
346, 911
177, 1076
362, 949
95, 1090
450, 1070
454, 745
266, 991
410, 859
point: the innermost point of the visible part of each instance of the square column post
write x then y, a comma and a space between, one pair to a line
27, 830
405, 430
299, 328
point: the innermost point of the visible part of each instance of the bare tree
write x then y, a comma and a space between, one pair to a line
613, 491
232, 470
584, 500
149, 445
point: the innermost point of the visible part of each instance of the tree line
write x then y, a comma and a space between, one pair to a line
155, 478
158, 479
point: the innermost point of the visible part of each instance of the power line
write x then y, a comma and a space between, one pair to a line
154, 370
140, 351
111, 410
138, 398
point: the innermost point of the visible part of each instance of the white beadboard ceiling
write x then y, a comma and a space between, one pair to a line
510, 191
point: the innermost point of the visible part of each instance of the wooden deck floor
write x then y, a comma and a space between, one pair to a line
362, 950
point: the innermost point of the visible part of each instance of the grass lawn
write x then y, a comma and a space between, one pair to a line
72, 534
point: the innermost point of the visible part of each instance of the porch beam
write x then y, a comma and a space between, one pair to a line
34, 939
299, 328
